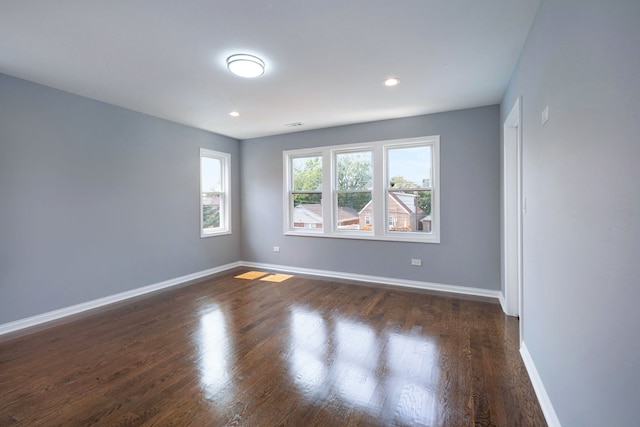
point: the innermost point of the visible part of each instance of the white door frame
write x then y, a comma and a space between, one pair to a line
512, 212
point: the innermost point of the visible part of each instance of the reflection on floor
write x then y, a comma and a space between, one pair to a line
234, 350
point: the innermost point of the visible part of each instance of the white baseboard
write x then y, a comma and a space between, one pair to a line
100, 302
538, 387
503, 302
377, 279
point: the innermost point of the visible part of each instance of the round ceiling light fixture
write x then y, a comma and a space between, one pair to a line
391, 81
245, 65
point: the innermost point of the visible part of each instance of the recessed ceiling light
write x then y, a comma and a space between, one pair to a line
391, 82
234, 114
244, 65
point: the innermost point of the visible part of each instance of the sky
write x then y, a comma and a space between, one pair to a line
412, 163
210, 172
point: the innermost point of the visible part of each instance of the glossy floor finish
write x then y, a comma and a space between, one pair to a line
303, 352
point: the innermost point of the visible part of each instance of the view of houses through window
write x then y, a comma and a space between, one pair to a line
409, 188
346, 176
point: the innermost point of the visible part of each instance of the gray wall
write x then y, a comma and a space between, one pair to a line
97, 200
469, 252
581, 229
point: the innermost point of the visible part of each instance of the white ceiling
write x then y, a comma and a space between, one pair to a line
326, 60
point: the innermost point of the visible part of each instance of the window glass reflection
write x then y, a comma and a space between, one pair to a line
357, 343
214, 348
387, 373
356, 363
308, 342
415, 374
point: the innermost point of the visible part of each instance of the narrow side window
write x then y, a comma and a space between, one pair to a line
214, 193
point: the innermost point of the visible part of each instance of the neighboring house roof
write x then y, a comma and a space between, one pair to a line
365, 207
406, 201
307, 214
347, 214
313, 213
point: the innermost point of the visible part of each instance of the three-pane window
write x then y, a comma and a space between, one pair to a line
385, 190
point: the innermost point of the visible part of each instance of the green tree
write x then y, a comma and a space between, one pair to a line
307, 176
424, 201
355, 175
210, 217
354, 172
398, 182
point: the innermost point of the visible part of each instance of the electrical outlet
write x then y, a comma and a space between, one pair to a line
416, 261
276, 249
545, 115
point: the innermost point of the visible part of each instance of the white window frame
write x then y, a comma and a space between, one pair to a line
289, 191
225, 193
334, 184
379, 192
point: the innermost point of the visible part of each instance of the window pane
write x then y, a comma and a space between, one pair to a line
211, 174
214, 196
210, 212
353, 209
355, 171
307, 210
410, 167
307, 173
409, 211
211, 181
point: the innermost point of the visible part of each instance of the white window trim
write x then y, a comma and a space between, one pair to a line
380, 179
288, 193
225, 193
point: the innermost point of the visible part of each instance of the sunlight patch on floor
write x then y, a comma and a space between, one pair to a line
277, 277
250, 275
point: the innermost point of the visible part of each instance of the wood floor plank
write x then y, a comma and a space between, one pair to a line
306, 351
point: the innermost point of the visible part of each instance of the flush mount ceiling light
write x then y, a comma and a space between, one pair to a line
244, 65
391, 82
234, 114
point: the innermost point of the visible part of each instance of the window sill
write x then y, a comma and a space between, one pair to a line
430, 238
204, 235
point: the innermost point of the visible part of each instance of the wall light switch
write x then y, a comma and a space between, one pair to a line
276, 249
416, 261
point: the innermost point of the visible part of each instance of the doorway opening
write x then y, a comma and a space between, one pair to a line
512, 213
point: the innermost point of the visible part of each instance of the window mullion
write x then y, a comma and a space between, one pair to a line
328, 185
378, 194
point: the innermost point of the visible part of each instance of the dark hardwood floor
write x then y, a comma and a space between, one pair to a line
303, 352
